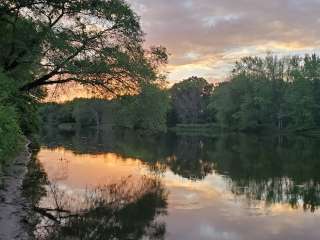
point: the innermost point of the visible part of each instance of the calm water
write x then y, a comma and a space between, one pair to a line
230, 187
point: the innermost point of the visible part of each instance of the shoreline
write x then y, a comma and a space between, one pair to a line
13, 204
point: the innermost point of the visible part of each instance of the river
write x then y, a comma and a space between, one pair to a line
126, 185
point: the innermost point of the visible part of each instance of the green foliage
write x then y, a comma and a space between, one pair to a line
301, 104
303, 93
27, 109
25, 105
270, 93
94, 43
78, 113
189, 100
125, 112
10, 133
92, 112
146, 111
19, 49
97, 43
263, 93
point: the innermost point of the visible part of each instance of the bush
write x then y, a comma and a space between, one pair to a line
24, 105
10, 133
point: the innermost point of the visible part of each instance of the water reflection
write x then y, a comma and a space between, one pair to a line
268, 169
274, 171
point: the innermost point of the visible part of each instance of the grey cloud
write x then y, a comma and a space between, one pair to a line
210, 28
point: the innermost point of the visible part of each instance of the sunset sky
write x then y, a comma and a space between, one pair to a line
205, 37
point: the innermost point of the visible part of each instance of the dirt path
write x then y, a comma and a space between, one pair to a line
12, 203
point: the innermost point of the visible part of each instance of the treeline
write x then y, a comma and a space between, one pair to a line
146, 111
262, 94
153, 110
279, 93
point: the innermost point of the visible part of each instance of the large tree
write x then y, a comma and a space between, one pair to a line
96, 43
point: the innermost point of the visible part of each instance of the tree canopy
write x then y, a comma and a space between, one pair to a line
95, 43
270, 92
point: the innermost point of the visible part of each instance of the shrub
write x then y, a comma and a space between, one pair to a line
10, 133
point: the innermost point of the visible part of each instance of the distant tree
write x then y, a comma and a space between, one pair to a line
153, 105
243, 103
223, 103
92, 112
255, 95
270, 92
311, 70
147, 110
303, 91
269, 73
301, 104
189, 99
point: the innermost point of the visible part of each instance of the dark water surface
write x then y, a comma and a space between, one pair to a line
182, 187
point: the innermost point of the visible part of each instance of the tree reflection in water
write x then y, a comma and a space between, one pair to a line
269, 169
124, 210
188, 159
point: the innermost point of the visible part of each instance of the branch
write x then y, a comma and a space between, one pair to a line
57, 19
46, 214
41, 81
58, 81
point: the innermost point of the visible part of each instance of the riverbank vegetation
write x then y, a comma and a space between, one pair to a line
11, 136
146, 111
